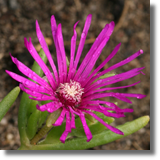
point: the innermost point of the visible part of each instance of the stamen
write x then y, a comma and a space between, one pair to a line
70, 93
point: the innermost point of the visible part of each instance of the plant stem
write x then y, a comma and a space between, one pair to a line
44, 130
50, 120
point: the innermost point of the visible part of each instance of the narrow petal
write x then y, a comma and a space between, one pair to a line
43, 98
92, 50
116, 66
61, 118
68, 128
139, 96
82, 40
86, 128
62, 50
36, 95
29, 73
94, 58
102, 64
111, 94
50, 107
38, 59
110, 88
104, 110
39, 89
115, 130
105, 33
68, 122
53, 28
21, 79
114, 79
72, 118
46, 50
73, 48
64, 136
59, 58
31, 92
113, 107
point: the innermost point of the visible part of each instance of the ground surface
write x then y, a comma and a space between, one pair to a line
17, 20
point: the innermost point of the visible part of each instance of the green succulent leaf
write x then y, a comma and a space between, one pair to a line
32, 124
7, 101
104, 137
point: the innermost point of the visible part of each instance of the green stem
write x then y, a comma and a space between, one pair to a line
44, 130
50, 120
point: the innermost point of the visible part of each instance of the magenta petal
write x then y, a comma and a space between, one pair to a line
64, 136
116, 65
139, 96
28, 72
73, 48
68, 128
86, 128
20, 78
113, 79
104, 110
82, 40
46, 50
111, 88
72, 118
53, 28
62, 50
102, 64
94, 58
91, 51
61, 118
68, 122
50, 107
111, 94
115, 130
38, 59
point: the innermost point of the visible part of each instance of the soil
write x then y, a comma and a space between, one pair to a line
132, 19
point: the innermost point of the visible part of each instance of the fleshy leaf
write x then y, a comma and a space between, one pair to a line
32, 124
7, 101
104, 137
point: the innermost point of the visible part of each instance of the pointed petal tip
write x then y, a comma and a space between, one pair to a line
119, 44
10, 55
8, 72
89, 138
37, 106
121, 133
75, 25
112, 23
53, 18
141, 96
37, 25
53, 23
141, 51
21, 86
89, 16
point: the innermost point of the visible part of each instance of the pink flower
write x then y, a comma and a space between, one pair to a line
75, 90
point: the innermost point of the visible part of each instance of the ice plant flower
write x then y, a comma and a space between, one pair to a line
76, 90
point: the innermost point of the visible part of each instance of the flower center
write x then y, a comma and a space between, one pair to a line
70, 93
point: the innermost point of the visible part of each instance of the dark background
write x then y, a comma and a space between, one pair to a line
132, 18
